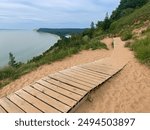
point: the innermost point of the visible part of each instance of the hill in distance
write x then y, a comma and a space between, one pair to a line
61, 31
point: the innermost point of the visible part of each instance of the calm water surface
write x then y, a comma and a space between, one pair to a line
23, 44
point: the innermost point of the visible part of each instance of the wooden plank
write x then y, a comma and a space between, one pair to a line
23, 104
112, 71
101, 80
83, 76
86, 75
51, 101
74, 80
54, 95
97, 67
104, 65
91, 72
2, 110
79, 77
97, 70
65, 86
103, 70
60, 90
97, 74
9, 106
36, 102
69, 82
101, 67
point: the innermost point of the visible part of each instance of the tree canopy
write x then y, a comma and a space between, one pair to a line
126, 7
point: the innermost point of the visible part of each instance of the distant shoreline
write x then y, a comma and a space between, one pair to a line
62, 31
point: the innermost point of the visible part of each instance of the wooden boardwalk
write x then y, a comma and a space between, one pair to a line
64, 91
60, 92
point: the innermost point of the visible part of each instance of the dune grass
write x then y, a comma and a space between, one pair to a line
142, 50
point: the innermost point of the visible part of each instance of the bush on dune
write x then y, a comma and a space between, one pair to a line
142, 50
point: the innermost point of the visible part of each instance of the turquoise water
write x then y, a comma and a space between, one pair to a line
23, 44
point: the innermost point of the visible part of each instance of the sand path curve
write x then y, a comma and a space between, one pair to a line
128, 91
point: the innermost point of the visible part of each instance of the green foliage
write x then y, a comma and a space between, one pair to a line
63, 48
92, 25
96, 44
6, 72
142, 50
88, 32
126, 7
131, 21
12, 61
104, 25
126, 35
85, 38
61, 31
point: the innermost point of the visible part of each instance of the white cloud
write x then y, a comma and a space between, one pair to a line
54, 12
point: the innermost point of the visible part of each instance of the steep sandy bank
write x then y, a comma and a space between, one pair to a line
82, 57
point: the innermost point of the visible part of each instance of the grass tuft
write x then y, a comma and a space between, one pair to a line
126, 35
142, 50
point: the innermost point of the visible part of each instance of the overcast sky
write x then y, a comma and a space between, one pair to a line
20, 14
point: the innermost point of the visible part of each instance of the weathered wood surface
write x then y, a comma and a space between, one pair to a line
63, 91
60, 92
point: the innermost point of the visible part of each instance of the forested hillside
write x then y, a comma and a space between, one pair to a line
61, 31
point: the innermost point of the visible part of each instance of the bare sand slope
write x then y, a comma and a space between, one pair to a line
82, 57
128, 91
108, 41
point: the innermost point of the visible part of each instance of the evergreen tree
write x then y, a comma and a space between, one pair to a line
106, 23
126, 7
12, 61
92, 25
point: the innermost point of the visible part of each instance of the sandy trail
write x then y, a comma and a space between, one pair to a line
82, 57
128, 91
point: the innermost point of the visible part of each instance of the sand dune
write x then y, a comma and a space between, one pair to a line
128, 91
82, 57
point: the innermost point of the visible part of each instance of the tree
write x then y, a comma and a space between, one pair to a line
99, 24
106, 23
92, 25
126, 7
12, 61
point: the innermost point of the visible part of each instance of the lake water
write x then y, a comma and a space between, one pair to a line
23, 44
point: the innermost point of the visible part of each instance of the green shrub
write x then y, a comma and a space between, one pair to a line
126, 35
133, 20
6, 72
96, 44
142, 50
85, 38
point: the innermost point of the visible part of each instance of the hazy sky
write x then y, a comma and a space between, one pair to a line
53, 13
